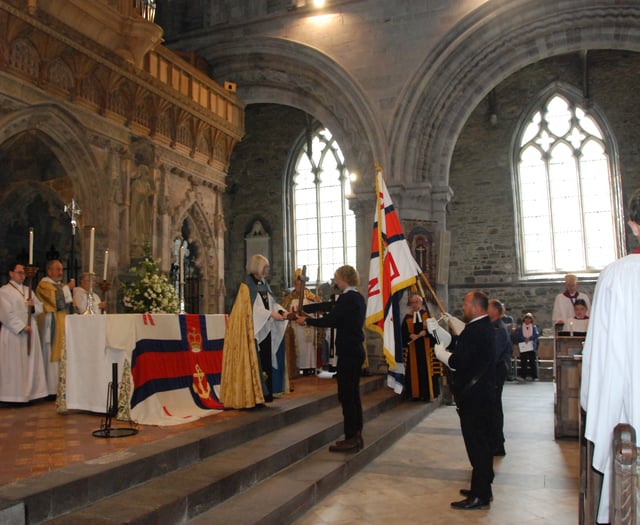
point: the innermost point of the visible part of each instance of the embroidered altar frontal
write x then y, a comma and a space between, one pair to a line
175, 367
169, 366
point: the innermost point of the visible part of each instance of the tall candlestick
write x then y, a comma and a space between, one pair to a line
92, 240
30, 246
106, 265
181, 264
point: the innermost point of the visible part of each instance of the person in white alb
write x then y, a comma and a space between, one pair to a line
22, 376
610, 387
81, 297
563, 304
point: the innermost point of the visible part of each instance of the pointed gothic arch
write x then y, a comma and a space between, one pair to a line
310, 81
61, 132
482, 50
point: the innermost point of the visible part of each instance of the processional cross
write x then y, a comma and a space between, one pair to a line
72, 211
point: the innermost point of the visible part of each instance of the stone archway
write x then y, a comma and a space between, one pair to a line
205, 238
60, 131
42, 160
272, 70
482, 50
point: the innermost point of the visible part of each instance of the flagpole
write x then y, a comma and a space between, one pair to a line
380, 214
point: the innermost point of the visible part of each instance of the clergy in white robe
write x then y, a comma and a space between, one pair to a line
81, 297
610, 388
563, 306
304, 337
22, 376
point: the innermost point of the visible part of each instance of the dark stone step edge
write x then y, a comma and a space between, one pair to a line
211, 483
281, 500
75, 486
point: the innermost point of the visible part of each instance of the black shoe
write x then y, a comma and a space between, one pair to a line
470, 504
467, 494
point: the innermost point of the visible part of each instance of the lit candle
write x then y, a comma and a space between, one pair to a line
30, 246
181, 264
92, 240
106, 265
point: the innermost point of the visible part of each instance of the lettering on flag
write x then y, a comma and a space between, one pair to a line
392, 269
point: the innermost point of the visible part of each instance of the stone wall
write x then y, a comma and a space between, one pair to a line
255, 190
481, 213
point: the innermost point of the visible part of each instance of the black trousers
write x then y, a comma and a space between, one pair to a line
498, 414
348, 376
528, 365
476, 422
266, 368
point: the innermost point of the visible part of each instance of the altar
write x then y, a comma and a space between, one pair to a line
169, 366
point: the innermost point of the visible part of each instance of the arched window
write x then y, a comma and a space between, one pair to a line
323, 227
565, 191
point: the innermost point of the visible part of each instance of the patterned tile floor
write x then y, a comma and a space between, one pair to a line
34, 439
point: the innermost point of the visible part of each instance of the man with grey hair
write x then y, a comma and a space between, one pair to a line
563, 304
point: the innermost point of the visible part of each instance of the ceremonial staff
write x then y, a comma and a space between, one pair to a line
30, 272
72, 210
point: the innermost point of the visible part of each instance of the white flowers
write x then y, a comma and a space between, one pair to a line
151, 292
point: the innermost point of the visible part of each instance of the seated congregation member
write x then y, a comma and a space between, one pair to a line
527, 338
22, 376
81, 297
347, 317
422, 370
579, 323
253, 362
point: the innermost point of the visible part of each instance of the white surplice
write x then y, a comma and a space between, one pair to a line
22, 376
563, 308
610, 389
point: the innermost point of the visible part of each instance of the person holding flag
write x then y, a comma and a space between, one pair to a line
473, 383
347, 316
392, 270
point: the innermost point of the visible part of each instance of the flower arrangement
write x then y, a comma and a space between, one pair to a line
150, 291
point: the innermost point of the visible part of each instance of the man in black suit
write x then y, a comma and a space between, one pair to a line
473, 383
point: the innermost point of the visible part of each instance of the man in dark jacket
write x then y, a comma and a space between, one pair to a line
473, 383
347, 316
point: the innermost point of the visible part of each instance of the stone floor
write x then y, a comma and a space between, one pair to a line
413, 482
536, 483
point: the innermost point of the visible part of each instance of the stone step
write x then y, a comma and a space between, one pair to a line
287, 495
176, 496
76, 486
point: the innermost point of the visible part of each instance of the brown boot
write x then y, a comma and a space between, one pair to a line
347, 445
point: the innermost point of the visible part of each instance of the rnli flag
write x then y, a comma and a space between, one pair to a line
392, 268
176, 367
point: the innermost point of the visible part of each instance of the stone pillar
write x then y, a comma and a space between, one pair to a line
164, 234
126, 162
217, 274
